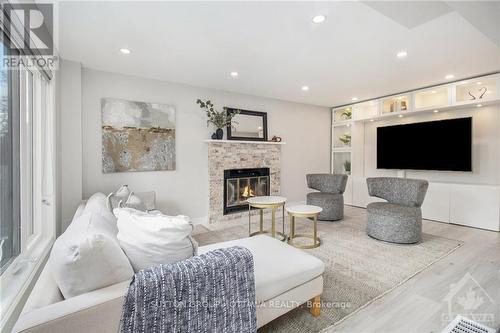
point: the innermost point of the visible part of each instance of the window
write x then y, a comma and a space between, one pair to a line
26, 104
27, 179
10, 241
27, 117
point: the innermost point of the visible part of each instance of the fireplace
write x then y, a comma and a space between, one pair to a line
241, 184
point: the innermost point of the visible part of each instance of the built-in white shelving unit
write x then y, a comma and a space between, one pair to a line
477, 91
341, 140
395, 104
436, 97
342, 114
475, 205
366, 110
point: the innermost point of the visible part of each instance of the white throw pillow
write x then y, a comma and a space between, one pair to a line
97, 204
87, 257
152, 239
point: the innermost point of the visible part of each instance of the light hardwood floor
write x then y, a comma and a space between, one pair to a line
420, 304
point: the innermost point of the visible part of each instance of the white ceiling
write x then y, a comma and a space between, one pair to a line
276, 49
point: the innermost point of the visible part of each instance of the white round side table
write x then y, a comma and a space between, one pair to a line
304, 211
267, 202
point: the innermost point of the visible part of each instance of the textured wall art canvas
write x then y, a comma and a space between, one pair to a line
137, 136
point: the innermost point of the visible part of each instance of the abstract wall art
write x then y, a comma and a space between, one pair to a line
137, 136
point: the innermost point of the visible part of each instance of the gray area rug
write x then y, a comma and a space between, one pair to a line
358, 269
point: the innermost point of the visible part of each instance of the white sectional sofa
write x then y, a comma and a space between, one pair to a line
285, 278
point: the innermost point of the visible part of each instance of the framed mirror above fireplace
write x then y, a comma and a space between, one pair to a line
248, 126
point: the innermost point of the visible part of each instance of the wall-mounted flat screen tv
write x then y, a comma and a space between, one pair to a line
444, 145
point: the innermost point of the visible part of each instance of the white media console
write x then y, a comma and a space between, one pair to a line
463, 204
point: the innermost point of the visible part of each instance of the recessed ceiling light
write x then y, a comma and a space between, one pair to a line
125, 51
371, 120
354, 99
401, 54
449, 76
319, 18
479, 105
436, 111
234, 74
305, 88
433, 92
479, 83
400, 116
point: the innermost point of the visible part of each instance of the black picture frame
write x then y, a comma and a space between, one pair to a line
263, 115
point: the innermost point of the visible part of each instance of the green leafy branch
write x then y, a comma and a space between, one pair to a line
219, 119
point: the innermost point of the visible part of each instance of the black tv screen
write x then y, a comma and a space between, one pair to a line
444, 145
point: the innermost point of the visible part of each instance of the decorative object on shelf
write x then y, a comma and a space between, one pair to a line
403, 106
219, 134
137, 136
393, 106
346, 114
398, 105
276, 139
248, 125
482, 91
219, 119
345, 139
347, 167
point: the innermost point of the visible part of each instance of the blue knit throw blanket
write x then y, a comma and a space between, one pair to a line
211, 292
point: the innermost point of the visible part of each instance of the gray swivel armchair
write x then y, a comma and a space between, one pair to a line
400, 219
330, 197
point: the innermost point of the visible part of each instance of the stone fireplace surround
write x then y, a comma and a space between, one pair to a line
228, 154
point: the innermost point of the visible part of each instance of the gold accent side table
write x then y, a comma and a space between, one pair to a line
304, 211
267, 202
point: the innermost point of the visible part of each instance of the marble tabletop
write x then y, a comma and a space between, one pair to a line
266, 200
304, 209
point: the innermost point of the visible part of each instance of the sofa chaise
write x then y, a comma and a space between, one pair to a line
280, 287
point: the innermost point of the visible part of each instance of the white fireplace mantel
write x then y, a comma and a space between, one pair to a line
250, 142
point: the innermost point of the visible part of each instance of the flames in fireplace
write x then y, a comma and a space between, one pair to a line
241, 184
248, 192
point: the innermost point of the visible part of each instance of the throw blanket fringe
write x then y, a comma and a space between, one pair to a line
212, 292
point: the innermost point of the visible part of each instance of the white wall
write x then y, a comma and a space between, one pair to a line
69, 142
305, 128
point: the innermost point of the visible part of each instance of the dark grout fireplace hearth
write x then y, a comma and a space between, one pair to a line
241, 184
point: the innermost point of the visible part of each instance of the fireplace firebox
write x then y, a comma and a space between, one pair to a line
241, 184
